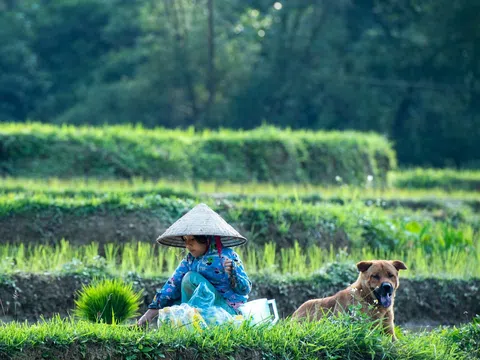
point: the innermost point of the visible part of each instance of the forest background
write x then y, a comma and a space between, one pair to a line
407, 69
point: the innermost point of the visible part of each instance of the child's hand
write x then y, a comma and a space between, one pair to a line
147, 317
228, 266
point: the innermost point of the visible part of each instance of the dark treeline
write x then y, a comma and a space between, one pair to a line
408, 69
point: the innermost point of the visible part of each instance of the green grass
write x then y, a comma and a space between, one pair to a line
40, 150
140, 187
342, 337
446, 179
150, 260
268, 220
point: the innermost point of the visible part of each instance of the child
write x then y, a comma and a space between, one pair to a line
209, 260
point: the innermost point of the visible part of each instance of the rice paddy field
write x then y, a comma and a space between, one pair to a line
58, 233
434, 231
150, 261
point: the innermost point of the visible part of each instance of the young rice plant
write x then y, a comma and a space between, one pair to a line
107, 301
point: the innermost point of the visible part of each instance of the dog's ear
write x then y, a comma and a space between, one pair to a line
399, 265
364, 265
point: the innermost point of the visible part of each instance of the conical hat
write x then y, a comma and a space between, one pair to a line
201, 220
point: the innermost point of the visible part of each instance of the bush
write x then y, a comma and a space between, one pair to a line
340, 272
107, 301
266, 154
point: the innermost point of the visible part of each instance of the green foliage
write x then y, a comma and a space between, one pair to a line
108, 152
22, 81
150, 261
312, 65
265, 154
287, 236
467, 337
352, 224
341, 337
342, 270
448, 179
306, 193
107, 301
70, 41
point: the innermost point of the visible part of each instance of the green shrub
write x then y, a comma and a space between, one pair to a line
340, 272
266, 154
107, 301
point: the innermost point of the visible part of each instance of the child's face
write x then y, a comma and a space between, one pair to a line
194, 247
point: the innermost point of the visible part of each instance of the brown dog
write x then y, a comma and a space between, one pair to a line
374, 290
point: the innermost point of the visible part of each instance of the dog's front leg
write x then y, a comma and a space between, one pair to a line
388, 324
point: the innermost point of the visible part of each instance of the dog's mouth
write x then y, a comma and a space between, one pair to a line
384, 293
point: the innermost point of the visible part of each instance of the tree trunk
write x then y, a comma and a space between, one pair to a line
211, 82
181, 50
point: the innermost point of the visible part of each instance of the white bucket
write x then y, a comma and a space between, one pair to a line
258, 311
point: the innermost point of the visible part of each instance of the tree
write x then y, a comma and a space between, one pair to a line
408, 69
425, 57
22, 83
301, 43
70, 42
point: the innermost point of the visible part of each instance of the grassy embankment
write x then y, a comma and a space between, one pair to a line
332, 338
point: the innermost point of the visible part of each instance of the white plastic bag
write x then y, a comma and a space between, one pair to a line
198, 313
181, 315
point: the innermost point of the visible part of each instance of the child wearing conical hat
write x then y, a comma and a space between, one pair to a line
210, 260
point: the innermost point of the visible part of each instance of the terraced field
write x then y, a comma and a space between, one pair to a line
304, 240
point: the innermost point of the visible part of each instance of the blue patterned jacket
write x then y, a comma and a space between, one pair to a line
209, 266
